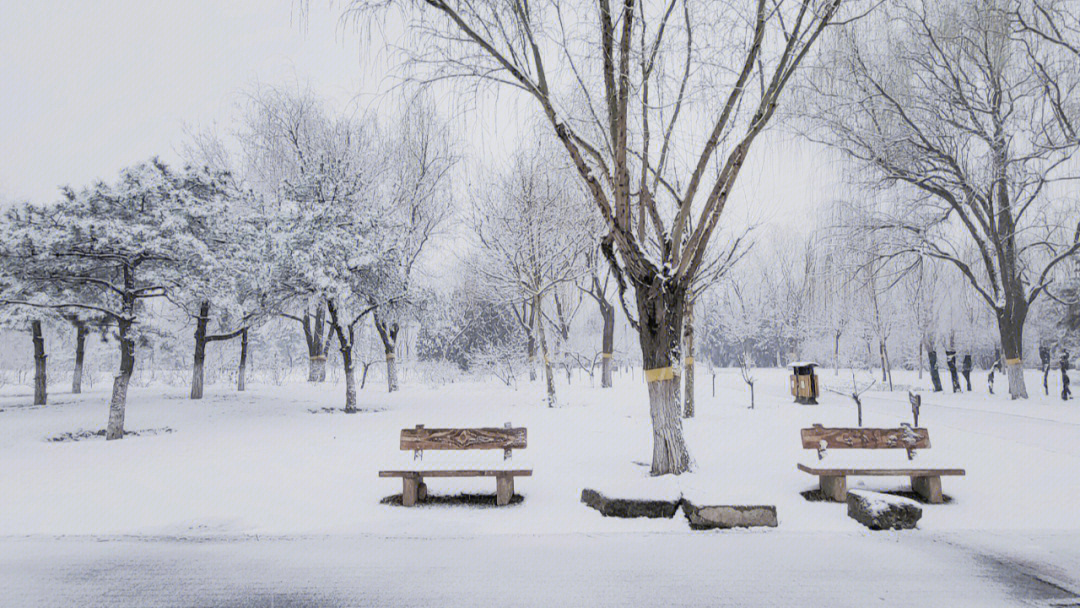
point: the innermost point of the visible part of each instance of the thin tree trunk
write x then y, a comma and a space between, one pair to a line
363, 377
80, 356
391, 372
318, 344
688, 359
531, 352
660, 309
118, 402
935, 377
836, 353
549, 374
345, 342
920, 359
388, 333
200, 350
607, 343
241, 373
40, 381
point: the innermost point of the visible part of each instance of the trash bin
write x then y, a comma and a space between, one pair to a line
804, 382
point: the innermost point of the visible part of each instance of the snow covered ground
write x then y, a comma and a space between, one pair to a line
271, 463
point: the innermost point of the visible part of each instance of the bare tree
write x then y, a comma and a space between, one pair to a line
945, 101
656, 106
532, 240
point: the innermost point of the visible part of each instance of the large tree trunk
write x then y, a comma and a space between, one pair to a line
607, 343
1011, 329
118, 402
80, 356
200, 350
688, 359
241, 373
660, 310
40, 381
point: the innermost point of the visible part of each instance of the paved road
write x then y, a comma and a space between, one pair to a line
771, 568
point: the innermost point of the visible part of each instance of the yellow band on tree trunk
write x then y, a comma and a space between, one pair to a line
1013, 361
689, 361
605, 355
318, 358
659, 374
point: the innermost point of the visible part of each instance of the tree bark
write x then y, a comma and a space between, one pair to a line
241, 373
660, 308
80, 357
200, 350
40, 381
1011, 328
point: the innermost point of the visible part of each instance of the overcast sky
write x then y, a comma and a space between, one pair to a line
91, 86
88, 87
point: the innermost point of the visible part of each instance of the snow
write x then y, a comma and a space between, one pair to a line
877, 503
261, 463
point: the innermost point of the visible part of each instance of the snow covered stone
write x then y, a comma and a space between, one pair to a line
729, 516
629, 507
883, 511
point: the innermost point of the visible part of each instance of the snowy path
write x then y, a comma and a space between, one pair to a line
1054, 434
716, 569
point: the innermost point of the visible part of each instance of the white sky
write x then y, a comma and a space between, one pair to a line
88, 87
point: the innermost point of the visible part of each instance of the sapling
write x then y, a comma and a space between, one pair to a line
748, 378
856, 393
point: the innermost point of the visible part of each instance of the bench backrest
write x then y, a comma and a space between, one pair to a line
907, 438
484, 438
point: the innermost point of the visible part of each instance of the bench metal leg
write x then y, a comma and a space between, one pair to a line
834, 487
409, 490
929, 488
504, 489
421, 489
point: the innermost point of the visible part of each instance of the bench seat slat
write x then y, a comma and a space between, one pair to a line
882, 472
458, 473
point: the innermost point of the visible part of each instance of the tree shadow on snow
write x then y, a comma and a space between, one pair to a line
84, 435
468, 500
338, 410
816, 495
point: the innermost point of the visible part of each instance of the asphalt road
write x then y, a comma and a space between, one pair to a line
772, 568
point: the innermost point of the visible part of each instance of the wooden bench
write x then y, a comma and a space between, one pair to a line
419, 439
833, 481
